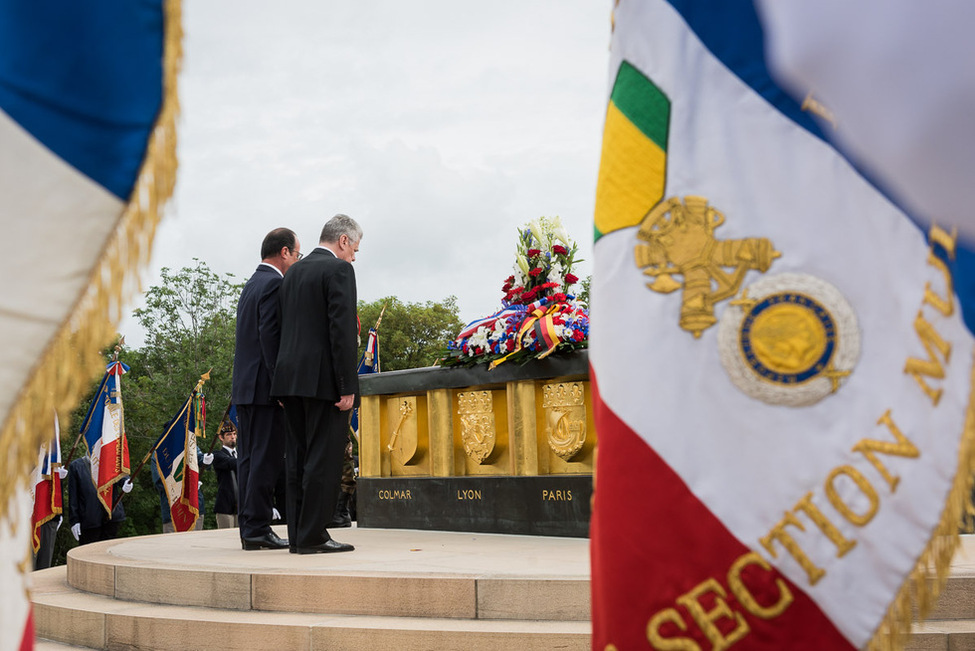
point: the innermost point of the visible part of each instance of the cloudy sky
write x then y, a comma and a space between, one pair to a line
440, 126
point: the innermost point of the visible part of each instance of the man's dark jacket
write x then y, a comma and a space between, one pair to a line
258, 334
225, 465
317, 356
83, 503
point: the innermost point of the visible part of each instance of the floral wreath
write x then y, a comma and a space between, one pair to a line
539, 312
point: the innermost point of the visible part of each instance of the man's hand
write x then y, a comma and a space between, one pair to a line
345, 404
207, 458
62, 472
76, 530
127, 485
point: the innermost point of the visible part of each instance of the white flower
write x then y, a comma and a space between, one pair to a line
523, 265
555, 273
519, 277
479, 338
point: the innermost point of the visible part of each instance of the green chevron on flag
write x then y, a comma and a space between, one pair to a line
634, 158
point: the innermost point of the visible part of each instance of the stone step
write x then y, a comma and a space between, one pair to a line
944, 635
392, 573
66, 615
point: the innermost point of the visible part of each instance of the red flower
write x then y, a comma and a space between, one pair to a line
560, 250
577, 335
533, 252
571, 279
535, 272
510, 279
509, 345
558, 298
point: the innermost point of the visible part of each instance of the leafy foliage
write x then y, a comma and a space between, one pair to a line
411, 335
189, 321
583, 294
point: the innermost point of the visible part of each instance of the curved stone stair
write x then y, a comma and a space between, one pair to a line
399, 589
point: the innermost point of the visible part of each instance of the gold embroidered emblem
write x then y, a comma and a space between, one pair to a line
679, 241
565, 417
790, 339
476, 411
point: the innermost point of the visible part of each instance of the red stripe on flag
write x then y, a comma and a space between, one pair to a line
27, 639
186, 509
43, 510
653, 541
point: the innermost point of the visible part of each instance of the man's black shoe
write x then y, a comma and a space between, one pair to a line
325, 548
267, 541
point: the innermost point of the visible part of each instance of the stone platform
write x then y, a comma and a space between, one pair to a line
400, 589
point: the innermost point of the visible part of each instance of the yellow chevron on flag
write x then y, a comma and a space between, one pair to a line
632, 172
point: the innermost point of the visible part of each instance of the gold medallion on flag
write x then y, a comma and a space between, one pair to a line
789, 339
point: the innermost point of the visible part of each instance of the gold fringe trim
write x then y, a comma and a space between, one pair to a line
919, 593
63, 373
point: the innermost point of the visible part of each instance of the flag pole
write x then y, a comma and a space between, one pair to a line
118, 500
226, 414
145, 459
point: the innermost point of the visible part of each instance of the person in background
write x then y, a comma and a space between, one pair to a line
88, 518
225, 465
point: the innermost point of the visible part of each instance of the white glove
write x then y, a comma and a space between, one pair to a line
207, 458
199, 485
76, 531
62, 472
127, 485
275, 514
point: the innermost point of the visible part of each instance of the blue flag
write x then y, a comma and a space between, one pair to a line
176, 461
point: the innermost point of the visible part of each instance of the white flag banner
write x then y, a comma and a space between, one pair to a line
781, 371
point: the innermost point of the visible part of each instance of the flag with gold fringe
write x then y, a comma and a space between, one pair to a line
174, 455
46, 486
785, 451
103, 431
87, 158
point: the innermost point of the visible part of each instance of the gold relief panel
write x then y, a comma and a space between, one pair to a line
564, 404
407, 439
478, 429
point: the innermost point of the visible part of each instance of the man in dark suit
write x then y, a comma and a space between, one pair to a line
89, 520
225, 465
261, 437
316, 379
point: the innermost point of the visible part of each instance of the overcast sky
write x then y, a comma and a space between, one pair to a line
441, 127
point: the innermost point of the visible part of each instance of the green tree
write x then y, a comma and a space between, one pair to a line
189, 320
583, 294
411, 335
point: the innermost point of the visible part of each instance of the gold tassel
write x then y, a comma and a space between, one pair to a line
63, 373
919, 593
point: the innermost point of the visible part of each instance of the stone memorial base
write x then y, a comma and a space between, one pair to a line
556, 505
509, 450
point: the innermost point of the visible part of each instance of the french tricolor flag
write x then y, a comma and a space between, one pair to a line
87, 157
781, 370
104, 434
